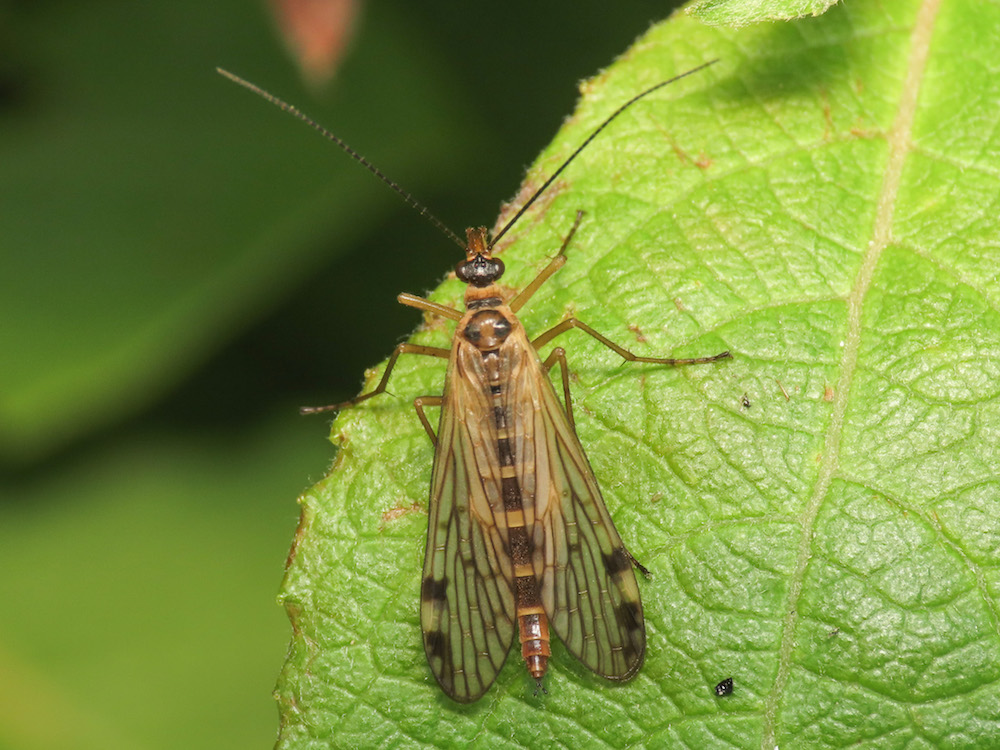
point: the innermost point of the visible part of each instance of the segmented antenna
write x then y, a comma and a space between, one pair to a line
285, 106
586, 142
421, 208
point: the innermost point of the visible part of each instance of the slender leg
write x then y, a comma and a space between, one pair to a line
419, 403
623, 353
430, 351
558, 355
554, 265
412, 300
636, 563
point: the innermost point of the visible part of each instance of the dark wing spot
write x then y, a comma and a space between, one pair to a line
631, 654
617, 562
436, 644
433, 589
629, 616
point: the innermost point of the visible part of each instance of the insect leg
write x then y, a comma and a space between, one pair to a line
419, 403
559, 355
404, 348
637, 564
623, 353
412, 300
554, 265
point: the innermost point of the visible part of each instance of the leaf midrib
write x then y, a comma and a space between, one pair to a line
898, 140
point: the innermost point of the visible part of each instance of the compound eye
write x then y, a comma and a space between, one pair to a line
480, 271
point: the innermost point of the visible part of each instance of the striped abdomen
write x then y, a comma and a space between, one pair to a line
532, 624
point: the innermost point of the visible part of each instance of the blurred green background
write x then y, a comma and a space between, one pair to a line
184, 265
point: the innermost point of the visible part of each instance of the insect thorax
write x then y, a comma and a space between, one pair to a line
487, 329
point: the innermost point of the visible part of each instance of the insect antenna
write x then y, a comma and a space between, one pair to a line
290, 109
587, 141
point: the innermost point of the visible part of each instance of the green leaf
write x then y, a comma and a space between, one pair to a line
737, 13
139, 580
822, 202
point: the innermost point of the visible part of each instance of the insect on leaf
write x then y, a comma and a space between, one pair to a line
825, 209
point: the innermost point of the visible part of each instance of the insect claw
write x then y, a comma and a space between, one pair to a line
306, 410
635, 563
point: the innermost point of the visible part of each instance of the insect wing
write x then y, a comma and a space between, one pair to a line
467, 602
588, 587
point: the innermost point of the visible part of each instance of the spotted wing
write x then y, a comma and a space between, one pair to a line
467, 601
588, 587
